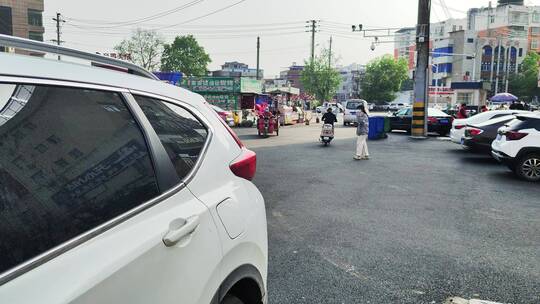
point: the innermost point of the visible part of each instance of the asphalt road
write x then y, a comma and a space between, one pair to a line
418, 223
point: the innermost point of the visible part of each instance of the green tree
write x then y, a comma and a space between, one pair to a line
525, 83
185, 55
383, 79
144, 47
319, 78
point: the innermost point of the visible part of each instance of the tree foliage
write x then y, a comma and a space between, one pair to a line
525, 83
144, 47
319, 78
185, 55
384, 77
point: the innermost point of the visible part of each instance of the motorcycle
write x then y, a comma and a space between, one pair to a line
327, 134
267, 124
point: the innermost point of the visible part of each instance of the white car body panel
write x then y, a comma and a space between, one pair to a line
130, 264
457, 134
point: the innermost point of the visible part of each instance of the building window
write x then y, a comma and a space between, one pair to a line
6, 26
470, 40
534, 44
492, 19
520, 52
35, 18
536, 17
464, 98
35, 36
535, 30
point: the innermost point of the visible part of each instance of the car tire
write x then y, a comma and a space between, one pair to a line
528, 167
230, 299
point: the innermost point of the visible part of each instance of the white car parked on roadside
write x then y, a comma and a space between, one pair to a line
458, 125
518, 146
351, 105
118, 188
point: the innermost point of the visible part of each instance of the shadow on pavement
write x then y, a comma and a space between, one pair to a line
480, 160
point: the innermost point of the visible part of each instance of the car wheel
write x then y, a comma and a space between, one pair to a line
230, 299
528, 167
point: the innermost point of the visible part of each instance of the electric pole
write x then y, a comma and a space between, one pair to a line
58, 20
330, 54
418, 127
313, 29
258, 54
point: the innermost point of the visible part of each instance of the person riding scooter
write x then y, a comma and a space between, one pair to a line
327, 132
329, 117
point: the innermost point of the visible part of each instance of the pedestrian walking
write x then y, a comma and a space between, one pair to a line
362, 132
462, 112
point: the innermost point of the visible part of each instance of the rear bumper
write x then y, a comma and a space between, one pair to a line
474, 144
502, 157
439, 128
455, 135
349, 118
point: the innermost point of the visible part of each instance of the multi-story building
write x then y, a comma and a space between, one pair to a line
22, 18
351, 77
237, 69
488, 46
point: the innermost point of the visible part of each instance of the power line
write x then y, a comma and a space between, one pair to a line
203, 16
141, 20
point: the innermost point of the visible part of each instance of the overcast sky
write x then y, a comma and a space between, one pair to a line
230, 34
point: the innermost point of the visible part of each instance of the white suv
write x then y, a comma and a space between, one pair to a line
518, 146
118, 188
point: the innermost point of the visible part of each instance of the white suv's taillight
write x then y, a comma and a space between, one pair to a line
245, 165
513, 135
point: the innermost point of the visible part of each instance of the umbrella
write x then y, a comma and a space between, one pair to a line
504, 97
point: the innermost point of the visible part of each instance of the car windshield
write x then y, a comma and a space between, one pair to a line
436, 113
353, 105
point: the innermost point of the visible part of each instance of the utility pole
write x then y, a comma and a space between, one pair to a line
258, 53
58, 20
313, 29
330, 54
498, 67
419, 124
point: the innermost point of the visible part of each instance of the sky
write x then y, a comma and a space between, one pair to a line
228, 29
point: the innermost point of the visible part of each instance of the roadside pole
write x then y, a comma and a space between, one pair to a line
258, 53
498, 66
419, 124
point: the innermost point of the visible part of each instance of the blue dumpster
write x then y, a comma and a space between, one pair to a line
376, 128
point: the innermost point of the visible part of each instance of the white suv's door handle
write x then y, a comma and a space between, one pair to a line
179, 229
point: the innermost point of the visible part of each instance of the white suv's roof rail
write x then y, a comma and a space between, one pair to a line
32, 45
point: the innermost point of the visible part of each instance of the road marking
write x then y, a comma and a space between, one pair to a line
458, 300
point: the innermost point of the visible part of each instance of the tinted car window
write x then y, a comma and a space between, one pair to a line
182, 135
70, 160
524, 123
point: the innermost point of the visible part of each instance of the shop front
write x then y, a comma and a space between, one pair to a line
223, 92
228, 93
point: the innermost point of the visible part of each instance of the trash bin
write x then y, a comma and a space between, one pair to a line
376, 128
387, 125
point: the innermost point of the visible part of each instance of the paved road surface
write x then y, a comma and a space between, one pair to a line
418, 223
